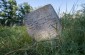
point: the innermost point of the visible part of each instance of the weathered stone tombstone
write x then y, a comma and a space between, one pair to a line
43, 23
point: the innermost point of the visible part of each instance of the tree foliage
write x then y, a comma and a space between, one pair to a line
11, 13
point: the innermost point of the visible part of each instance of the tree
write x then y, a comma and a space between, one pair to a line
23, 9
11, 13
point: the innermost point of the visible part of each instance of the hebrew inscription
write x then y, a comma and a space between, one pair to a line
42, 23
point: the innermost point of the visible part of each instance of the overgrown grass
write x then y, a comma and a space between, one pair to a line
16, 41
13, 38
73, 35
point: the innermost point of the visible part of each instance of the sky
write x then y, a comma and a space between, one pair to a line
59, 5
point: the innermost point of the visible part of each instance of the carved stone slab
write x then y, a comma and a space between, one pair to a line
43, 23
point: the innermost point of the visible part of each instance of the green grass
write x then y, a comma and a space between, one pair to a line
13, 38
73, 35
16, 41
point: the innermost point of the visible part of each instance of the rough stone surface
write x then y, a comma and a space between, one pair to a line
41, 23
